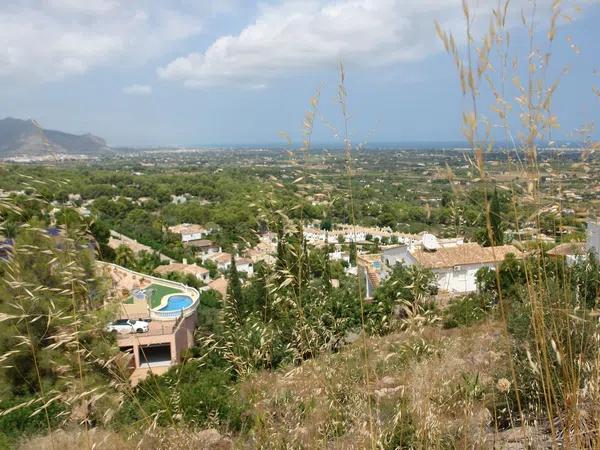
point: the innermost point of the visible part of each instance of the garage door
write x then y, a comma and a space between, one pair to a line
155, 355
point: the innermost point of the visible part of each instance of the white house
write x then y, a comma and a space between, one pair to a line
593, 237
74, 198
199, 272
245, 265
221, 259
393, 255
262, 252
455, 267
571, 252
371, 270
340, 256
189, 231
203, 247
178, 199
223, 262
399, 253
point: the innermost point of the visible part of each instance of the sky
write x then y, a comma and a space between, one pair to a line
241, 72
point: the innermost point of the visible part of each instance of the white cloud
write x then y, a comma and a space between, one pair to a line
138, 89
85, 6
52, 39
301, 35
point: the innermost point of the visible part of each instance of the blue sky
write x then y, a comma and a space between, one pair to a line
185, 72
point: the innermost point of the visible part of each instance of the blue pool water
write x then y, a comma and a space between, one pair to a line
177, 302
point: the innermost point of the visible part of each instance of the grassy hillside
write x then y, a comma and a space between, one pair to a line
428, 388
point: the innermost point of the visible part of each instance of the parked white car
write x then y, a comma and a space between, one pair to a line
124, 326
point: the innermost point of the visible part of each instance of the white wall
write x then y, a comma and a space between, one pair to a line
394, 255
205, 277
185, 237
460, 280
247, 268
593, 237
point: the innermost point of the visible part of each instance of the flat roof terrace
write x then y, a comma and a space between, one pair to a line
155, 328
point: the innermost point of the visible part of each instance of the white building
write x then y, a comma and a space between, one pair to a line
245, 265
189, 231
398, 253
572, 252
455, 267
371, 270
200, 273
340, 256
178, 199
593, 237
223, 262
203, 247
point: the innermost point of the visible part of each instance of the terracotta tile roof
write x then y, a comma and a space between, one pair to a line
219, 285
568, 248
182, 268
369, 258
201, 243
220, 258
470, 253
187, 228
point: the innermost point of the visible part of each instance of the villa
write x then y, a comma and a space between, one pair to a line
455, 267
393, 254
189, 231
203, 247
593, 237
223, 262
221, 259
170, 309
200, 273
245, 265
570, 252
371, 270
263, 251
117, 239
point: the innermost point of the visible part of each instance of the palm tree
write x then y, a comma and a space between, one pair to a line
124, 256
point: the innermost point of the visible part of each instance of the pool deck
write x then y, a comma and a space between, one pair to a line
158, 293
165, 301
170, 332
126, 281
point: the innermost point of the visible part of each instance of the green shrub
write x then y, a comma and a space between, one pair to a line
466, 311
22, 422
187, 392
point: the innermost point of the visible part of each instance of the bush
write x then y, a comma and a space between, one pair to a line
22, 422
209, 311
189, 392
466, 311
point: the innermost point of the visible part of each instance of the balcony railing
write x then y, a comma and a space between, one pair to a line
174, 314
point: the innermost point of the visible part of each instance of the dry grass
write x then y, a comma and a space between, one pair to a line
166, 438
418, 391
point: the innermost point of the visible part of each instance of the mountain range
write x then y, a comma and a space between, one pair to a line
27, 138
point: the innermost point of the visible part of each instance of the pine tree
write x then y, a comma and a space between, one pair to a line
327, 271
353, 253
234, 287
496, 225
281, 253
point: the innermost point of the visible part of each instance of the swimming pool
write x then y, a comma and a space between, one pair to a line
177, 302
